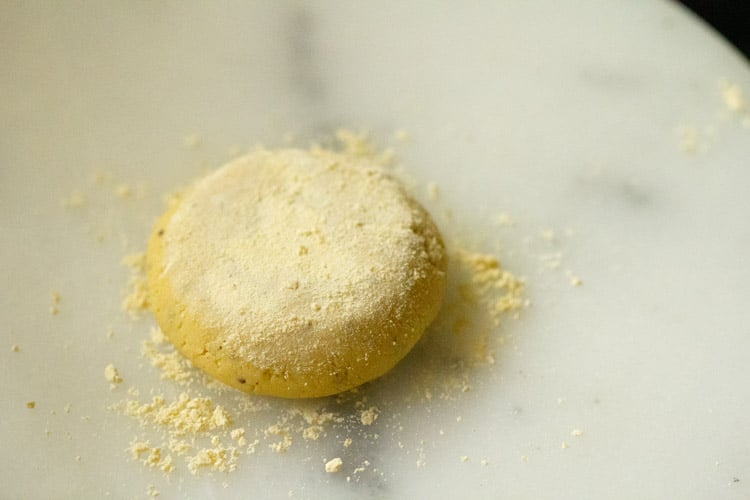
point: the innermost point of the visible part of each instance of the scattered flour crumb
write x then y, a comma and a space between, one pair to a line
171, 364
136, 301
691, 140
504, 219
123, 191
574, 280
185, 415
252, 446
363, 467
402, 135
31, 405
564, 445
548, 234
485, 462
75, 200
369, 416
312, 433
334, 465
192, 141
152, 491
15, 348
433, 191
733, 97
576, 432
151, 456
551, 261
347, 442
488, 276
358, 144
355, 143
55, 307
464, 458
100, 176
219, 458
112, 375
282, 431
239, 435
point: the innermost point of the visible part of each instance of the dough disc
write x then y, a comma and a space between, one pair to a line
295, 274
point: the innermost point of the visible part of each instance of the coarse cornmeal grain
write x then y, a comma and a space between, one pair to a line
295, 274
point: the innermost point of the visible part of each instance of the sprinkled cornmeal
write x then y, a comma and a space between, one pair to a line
369, 416
733, 96
112, 375
55, 307
334, 465
136, 301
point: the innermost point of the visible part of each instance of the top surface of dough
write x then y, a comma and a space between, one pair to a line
288, 254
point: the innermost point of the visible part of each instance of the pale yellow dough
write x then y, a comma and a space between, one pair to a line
295, 273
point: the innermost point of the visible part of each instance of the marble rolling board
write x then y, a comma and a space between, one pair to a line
600, 149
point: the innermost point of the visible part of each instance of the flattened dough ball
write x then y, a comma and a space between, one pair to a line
295, 273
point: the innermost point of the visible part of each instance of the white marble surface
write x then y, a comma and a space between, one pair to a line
562, 114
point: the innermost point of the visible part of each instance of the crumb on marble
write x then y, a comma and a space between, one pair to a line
503, 219
574, 280
112, 374
369, 416
192, 141
733, 97
123, 191
55, 307
334, 465
74, 200
402, 136
136, 300
433, 191
551, 261
690, 140
548, 235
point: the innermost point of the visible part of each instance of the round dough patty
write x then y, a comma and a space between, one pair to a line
295, 274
